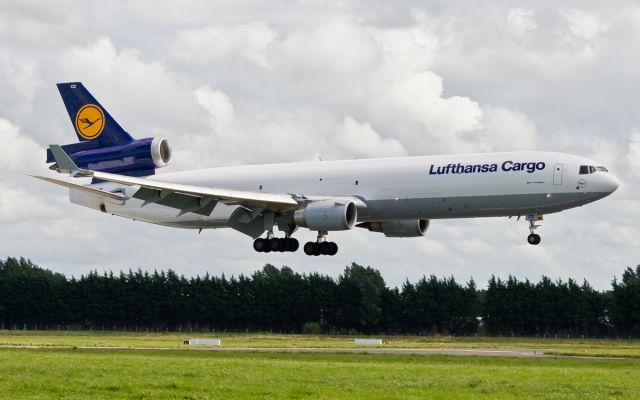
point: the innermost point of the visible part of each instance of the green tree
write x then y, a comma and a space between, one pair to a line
360, 293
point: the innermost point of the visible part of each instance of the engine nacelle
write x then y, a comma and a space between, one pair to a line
399, 228
136, 158
327, 215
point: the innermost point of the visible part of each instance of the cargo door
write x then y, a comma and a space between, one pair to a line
557, 174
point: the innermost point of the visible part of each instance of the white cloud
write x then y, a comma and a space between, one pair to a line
633, 155
21, 151
583, 25
505, 130
361, 141
219, 107
249, 42
521, 21
419, 98
20, 78
336, 47
18, 205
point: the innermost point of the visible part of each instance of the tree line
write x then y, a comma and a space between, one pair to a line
281, 300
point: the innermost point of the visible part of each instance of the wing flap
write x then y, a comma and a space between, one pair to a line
184, 202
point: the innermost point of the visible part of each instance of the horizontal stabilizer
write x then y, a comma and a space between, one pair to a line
65, 163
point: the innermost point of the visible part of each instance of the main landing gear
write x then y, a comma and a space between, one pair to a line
533, 238
321, 246
274, 244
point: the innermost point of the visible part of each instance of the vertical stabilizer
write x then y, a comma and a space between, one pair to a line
90, 120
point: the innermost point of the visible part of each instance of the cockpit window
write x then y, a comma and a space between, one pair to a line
590, 169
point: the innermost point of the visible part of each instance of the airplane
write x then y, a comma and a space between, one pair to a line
110, 171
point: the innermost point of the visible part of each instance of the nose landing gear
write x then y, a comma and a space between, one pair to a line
533, 238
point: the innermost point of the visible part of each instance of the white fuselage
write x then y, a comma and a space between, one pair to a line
428, 187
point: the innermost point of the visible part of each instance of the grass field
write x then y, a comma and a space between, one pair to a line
142, 374
581, 347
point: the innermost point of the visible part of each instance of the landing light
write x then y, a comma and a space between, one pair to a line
547, 196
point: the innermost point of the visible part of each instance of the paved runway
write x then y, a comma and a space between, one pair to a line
357, 350
373, 350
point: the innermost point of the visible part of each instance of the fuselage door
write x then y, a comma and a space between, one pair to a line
557, 174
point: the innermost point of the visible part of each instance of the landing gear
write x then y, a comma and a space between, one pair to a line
324, 248
321, 246
533, 238
274, 244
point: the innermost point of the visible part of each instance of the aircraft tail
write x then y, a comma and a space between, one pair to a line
104, 145
90, 120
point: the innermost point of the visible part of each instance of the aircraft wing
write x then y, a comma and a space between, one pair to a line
185, 198
196, 199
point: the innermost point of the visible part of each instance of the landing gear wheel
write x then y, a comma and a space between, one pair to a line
259, 245
534, 239
292, 244
308, 248
325, 248
333, 249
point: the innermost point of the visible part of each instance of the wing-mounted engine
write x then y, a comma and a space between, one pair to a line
134, 158
327, 215
399, 228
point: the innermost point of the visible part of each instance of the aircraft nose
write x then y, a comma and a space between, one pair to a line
612, 183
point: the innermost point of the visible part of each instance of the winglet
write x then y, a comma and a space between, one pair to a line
65, 163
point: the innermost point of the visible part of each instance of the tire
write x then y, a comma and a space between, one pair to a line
533, 239
274, 244
325, 248
309, 248
292, 244
259, 245
283, 243
333, 249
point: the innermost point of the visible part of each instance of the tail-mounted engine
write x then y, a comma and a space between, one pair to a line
135, 158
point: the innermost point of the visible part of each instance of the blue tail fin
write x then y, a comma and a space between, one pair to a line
104, 145
90, 120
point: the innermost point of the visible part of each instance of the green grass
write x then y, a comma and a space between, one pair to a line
582, 347
141, 374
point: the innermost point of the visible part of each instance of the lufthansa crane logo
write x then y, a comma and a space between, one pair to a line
90, 121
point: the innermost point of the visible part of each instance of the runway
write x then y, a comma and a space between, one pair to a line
357, 350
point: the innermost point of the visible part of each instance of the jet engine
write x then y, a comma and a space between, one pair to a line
135, 158
327, 215
399, 228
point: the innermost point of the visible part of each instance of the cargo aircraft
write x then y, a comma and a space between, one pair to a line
110, 171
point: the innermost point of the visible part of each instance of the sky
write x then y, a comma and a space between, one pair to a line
248, 82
